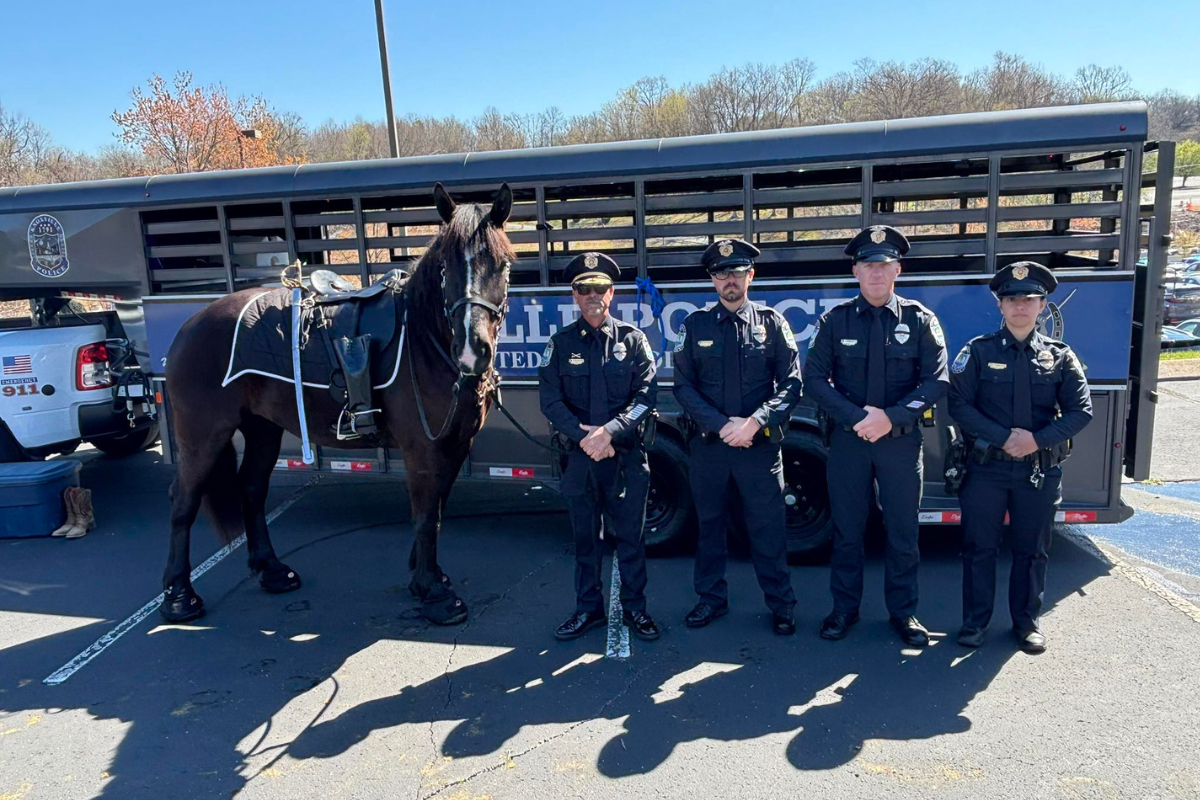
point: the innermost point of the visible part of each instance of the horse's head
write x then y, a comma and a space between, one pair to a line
475, 256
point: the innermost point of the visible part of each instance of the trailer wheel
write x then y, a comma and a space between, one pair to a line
806, 498
128, 444
670, 517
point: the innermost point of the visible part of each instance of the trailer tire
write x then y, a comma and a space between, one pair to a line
806, 498
128, 444
670, 516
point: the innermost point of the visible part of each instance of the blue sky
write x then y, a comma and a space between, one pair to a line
68, 64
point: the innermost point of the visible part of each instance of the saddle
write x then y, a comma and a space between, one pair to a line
353, 323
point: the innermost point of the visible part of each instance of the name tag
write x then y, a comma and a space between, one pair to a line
997, 365
849, 342
705, 342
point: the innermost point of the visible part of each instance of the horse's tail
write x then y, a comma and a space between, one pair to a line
222, 497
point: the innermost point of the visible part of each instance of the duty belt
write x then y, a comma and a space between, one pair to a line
895, 433
1000, 455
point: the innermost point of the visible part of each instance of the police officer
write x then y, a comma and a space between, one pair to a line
1018, 397
737, 376
598, 389
874, 365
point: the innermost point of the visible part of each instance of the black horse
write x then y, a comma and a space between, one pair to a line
455, 302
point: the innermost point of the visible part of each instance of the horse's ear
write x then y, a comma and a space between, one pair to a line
501, 207
445, 205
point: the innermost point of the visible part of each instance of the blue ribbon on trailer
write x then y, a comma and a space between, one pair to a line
645, 286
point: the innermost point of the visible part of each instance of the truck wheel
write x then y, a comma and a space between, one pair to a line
806, 498
670, 518
130, 443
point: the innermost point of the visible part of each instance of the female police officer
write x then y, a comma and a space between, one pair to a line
1018, 396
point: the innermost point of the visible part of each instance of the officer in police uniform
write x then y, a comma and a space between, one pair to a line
737, 376
598, 390
874, 365
1018, 397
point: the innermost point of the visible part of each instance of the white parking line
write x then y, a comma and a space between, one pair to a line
110, 638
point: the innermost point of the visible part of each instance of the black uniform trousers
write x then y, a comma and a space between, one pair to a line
988, 491
757, 473
853, 464
616, 487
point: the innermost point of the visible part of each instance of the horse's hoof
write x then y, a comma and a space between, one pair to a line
181, 606
446, 609
279, 580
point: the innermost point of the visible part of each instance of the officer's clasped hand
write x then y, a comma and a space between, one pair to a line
1020, 443
740, 431
874, 426
598, 442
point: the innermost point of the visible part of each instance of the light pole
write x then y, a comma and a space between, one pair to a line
393, 142
251, 133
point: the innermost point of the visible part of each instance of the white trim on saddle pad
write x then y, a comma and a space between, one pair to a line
237, 329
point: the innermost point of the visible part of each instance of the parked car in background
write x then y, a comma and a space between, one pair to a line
1182, 302
1175, 339
1189, 326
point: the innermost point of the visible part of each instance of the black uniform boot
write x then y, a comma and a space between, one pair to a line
354, 357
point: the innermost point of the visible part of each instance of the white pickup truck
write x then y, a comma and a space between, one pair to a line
64, 385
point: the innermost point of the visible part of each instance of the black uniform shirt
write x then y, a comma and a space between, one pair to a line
981, 388
616, 353
769, 366
915, 350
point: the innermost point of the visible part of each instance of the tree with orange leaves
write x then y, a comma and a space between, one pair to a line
186, 128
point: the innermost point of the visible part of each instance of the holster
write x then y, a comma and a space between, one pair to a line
981, 451
955, 463
825, 423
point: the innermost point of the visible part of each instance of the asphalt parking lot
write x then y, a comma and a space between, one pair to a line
341, 690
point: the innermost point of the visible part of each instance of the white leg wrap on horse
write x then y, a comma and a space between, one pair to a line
306, 447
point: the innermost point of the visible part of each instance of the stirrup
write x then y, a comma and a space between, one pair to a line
353, 420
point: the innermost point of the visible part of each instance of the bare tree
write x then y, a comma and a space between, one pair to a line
1097, 84
1012, 82
893, 90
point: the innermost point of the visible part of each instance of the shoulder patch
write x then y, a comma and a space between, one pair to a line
960, 361
680, 337
547, 353
788, 337
935, 328
812, 340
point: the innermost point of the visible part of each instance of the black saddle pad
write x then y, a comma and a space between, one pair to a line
262, 342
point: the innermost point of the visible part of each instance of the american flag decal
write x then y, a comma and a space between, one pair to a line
17, 365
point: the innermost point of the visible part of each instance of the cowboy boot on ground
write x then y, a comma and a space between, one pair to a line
69, 500
85, 518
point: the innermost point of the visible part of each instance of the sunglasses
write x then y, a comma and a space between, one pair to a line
584, 289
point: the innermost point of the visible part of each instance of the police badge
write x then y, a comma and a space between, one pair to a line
760, 333
590, 261
878, 235
1045, 359
47, 247
619, 351
902, 333
1020, 273
726, 249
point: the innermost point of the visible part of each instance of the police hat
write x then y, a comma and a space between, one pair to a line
878, 243
592, 268
731, 255
1023, 279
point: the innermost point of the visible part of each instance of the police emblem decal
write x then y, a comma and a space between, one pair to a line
935, 328
619, 352
590, 261
960, 361
902, 333
878, 235
760, 333
547, 353
726, 249
47, 247
1020, 273
1045, 359
575, 360
680, 338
